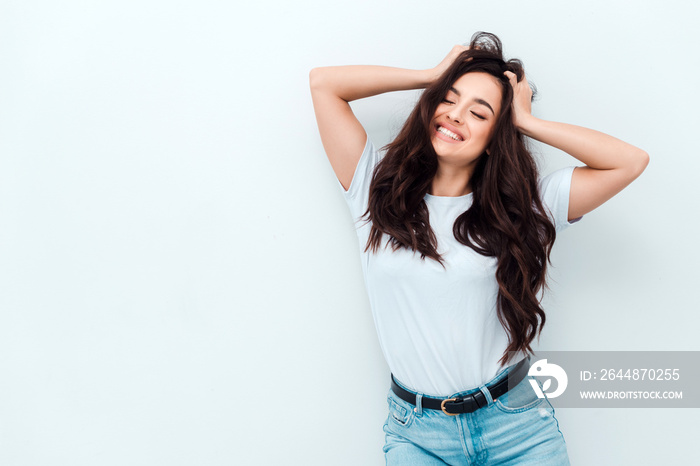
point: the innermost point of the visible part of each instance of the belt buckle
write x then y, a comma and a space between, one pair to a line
442, 405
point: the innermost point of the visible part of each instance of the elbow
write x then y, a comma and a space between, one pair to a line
642, 160
315, 78
636, 164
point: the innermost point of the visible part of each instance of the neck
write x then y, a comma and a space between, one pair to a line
451, 182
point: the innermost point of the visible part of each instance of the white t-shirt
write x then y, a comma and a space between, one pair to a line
439, 329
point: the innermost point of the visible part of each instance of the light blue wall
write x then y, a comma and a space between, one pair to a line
179, 274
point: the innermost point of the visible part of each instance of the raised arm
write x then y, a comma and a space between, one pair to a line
333, 87
611, 164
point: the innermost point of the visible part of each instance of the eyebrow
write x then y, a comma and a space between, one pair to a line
476, 99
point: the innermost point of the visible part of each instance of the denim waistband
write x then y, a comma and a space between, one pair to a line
497, 378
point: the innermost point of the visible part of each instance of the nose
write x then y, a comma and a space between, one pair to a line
455, 115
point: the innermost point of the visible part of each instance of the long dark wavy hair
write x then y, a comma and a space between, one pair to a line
506, 219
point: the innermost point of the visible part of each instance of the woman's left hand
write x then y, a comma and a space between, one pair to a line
522, 99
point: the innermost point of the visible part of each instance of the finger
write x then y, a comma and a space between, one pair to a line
511, 77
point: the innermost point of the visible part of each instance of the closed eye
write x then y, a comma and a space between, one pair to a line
478, 116
447, 101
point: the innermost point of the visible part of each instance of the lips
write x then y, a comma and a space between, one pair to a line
448, 133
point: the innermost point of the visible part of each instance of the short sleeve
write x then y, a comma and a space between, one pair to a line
554, 192
357, 194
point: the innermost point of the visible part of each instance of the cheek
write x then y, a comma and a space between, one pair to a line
485, 133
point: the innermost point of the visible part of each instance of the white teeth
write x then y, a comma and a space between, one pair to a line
449, 133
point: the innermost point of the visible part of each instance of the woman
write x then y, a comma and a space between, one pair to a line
456, 237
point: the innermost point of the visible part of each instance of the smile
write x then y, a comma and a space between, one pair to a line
448, 133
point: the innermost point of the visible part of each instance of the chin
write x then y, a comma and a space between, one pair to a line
437, 147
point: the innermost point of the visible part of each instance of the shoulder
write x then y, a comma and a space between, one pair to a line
364, 169
357, 194
554, 191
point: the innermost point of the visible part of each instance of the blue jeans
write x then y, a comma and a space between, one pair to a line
516, 429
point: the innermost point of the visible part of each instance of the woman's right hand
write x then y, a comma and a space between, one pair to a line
448, 60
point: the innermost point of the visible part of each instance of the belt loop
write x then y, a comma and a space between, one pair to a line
487, 394
419, 404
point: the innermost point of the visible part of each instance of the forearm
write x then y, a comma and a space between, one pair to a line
359, 81
595, 149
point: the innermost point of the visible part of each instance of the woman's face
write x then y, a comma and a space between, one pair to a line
464, 121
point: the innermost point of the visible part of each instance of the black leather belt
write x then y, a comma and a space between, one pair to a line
471, 401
